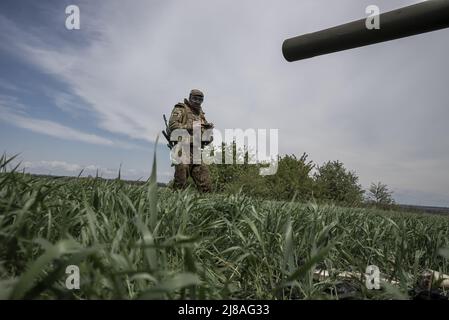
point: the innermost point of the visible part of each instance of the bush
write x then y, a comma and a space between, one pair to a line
333, 182
292, 177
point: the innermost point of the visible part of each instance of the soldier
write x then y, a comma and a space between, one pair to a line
182, 117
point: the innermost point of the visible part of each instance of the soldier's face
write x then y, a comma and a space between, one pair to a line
196, 100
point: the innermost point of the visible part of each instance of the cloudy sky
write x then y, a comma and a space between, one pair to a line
94, 98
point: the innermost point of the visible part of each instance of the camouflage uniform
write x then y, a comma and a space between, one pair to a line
182, 117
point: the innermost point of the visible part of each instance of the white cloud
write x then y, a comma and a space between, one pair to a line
67, 102
56, 130
5, 85
50, 165
13, 112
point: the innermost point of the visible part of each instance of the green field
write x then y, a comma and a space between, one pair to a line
140, 241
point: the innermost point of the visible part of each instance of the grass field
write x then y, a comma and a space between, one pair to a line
141, 241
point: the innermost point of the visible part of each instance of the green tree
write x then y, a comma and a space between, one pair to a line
333, 182
292, 177
223, 175
379, 193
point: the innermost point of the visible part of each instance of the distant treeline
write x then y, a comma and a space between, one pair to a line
302, 179
299, 178
424, 209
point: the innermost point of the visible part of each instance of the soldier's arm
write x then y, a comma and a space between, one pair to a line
176, 117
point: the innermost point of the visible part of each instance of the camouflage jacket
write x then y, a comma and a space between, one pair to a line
182, 117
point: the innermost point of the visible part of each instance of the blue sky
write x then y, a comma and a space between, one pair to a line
94, 98
53, 129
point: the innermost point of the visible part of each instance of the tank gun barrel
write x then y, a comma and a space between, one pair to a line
408, 21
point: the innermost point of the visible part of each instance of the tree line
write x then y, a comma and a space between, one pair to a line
299, 177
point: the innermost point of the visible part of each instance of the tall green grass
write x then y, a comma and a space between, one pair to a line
144, 242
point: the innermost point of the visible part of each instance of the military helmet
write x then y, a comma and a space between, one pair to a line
196, 92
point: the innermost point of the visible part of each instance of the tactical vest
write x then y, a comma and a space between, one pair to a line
189, 116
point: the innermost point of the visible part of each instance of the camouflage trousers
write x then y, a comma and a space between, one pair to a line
199, 174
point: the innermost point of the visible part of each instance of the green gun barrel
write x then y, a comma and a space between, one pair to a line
408, 21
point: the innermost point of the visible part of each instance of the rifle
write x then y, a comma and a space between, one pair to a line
170, 144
